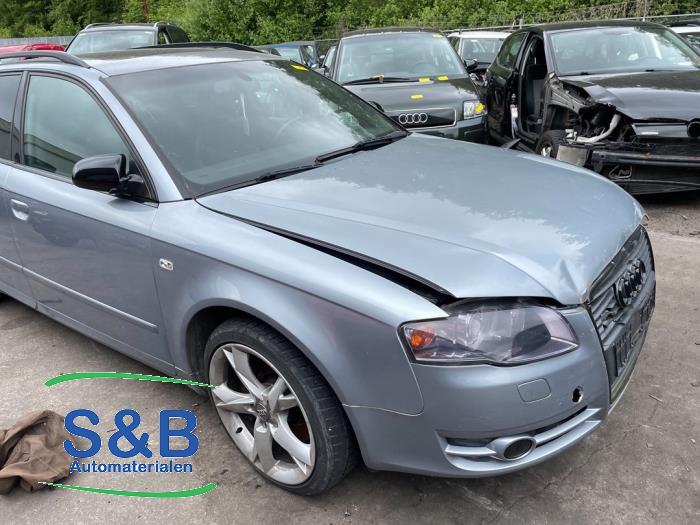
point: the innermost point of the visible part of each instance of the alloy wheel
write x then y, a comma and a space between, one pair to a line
262, 414
547, 151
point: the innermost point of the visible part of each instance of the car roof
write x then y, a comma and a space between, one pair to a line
562, 26
158, 57
293, 44
121, 27
479, 34
384, 30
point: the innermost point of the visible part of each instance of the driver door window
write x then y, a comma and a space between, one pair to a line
63, 124
509, 52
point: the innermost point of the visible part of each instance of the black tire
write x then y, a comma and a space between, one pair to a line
550, 139
335, 447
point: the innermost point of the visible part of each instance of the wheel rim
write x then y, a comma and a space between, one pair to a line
262, 414
546, 151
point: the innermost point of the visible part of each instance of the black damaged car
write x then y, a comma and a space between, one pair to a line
621, 98
415, 76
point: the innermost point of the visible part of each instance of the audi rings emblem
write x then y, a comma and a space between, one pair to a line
630, 284
413, 119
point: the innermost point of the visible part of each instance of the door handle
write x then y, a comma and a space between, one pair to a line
20, 210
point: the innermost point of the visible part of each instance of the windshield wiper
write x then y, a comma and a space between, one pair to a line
378, 79
267, 177
363, 145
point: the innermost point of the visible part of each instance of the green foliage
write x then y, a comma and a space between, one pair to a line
264, 21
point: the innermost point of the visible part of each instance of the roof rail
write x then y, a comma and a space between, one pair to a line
184, 45
95, 24
61, 56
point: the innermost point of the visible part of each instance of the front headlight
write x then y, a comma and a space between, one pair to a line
473, 108
507, 334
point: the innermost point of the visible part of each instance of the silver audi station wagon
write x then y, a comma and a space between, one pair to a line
348, 289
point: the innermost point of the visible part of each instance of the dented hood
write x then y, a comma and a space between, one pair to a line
665, 95
475, 221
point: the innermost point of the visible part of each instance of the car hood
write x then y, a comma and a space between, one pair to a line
475, 221
664, 95
394, 96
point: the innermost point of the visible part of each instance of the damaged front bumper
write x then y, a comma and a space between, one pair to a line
640, 168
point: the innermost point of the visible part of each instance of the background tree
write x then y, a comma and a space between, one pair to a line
265, 21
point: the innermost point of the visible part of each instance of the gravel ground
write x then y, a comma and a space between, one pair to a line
642, 466
677, 214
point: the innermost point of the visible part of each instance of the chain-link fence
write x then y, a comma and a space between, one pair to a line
662, 11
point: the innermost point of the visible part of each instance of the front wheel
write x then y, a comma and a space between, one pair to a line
277, 408
549, 143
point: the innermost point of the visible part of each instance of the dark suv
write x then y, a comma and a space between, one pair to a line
415, 76
100, 38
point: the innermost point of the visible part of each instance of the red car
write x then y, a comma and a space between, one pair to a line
31, 47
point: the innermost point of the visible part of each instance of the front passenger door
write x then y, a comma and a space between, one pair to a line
87, 254
501, 85
12, 280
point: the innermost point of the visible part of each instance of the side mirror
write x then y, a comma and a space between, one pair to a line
471, 64
102, 173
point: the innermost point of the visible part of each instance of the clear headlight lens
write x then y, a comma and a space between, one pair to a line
497, 334
473, 108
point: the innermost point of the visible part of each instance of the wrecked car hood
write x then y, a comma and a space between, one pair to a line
665, 95
475, 221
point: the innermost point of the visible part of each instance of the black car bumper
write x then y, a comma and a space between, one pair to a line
641, 173
640, 168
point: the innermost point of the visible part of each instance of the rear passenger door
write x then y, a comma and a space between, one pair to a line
87, 255
12, 279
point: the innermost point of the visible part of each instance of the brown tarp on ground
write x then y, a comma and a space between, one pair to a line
32, 451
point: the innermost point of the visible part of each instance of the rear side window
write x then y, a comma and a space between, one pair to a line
177, 35
509, 50
8, 92
63, 124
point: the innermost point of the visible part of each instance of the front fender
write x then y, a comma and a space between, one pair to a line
357, 351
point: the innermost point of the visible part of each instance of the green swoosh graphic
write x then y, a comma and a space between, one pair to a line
121, 375
139, 494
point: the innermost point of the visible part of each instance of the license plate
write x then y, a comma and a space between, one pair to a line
630, 340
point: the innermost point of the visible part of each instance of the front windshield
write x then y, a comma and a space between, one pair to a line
403, 55
111, 40
621, 49
482, 50
225, 124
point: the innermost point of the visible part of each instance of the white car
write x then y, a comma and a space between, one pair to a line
482, 46
689, 31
